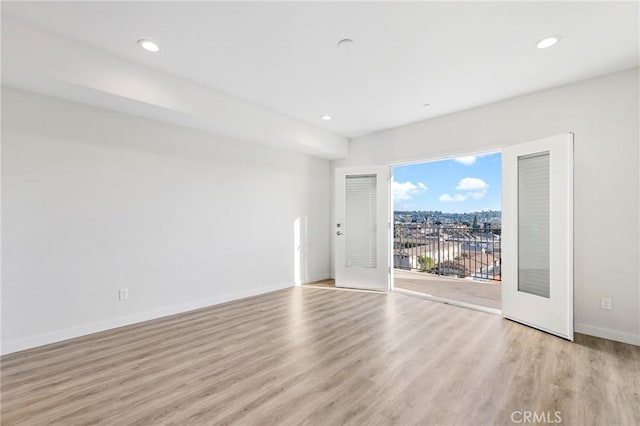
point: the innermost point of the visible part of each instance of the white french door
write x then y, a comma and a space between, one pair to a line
537, 232
362, 227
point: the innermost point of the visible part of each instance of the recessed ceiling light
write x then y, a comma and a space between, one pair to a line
148, 45
345, 42
326, 117
547, 42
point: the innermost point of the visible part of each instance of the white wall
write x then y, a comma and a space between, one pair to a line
94, 201
604, 114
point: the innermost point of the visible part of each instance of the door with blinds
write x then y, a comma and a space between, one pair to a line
361, 228
537, 232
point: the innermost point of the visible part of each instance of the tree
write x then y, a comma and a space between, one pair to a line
475, 222
425, 262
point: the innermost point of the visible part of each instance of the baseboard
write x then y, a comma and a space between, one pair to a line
83, 330
606, 333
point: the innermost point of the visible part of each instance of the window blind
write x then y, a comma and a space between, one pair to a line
360, 221
533, 224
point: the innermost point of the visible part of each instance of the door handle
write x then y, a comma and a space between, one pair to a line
338, 233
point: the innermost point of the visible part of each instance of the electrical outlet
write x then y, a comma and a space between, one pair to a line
605, 303
123, 294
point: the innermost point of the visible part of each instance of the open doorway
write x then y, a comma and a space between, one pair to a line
447, 229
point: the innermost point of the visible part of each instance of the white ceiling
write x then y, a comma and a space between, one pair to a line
283, 56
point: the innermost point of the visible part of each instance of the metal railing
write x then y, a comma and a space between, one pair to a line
448, 250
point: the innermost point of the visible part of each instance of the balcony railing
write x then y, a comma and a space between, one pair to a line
448, 250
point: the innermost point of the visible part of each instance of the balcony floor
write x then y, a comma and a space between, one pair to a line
461, 290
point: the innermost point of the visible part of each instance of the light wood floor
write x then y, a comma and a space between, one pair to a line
328, 283
327, 357
458, 289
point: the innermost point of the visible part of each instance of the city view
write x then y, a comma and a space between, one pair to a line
454, 244
447, 228
481, 219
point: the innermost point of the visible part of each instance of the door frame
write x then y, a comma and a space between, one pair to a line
444, 156
450, 155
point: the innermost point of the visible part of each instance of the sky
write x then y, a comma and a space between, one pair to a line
458, 185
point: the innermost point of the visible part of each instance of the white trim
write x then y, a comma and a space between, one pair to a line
449, 155
606, 333
448, 301
83, 330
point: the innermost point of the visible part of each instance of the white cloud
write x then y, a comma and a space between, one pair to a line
467, 160
456, 198
403, 191
472, 184
475, 188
